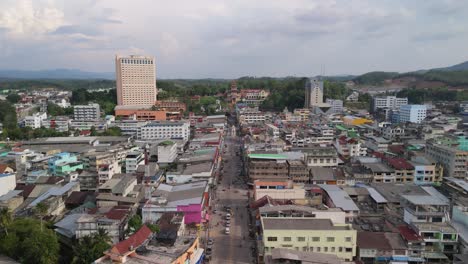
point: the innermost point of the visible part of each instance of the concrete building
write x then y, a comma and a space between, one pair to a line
135, 80
164, 130
86, 112
35, 121
309, 235
313, 93
336, 106
426, 171
412, 113
187, 198
321, 157
167, 151
451, 152
335, 197
279, 190
7, 182
133, 160
253, 97
388, 102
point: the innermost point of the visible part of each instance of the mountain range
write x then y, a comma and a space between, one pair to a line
79, 74
55, 74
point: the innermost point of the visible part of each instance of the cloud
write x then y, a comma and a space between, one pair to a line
23, 18
220, 38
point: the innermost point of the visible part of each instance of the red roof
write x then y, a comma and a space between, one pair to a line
409, 234
133, 241
400, 164
27, 189
3, 167
117, 213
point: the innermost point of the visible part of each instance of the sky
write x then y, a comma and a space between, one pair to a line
230, 39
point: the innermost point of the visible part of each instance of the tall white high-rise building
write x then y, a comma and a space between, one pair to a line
135, 80
313, 93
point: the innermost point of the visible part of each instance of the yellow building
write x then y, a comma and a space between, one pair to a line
309, 235
355, 121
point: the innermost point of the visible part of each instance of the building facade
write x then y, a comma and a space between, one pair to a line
164, 130
86, 112
313, 93
135, 80
388, 102
412, 113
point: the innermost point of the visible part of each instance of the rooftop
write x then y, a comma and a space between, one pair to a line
339, 197
290, 223
283, 254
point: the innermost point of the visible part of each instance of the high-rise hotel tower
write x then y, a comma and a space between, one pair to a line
136, 80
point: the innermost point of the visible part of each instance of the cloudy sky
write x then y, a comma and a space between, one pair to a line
214, 38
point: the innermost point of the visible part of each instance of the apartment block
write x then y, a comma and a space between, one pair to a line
86, 112
313, 93
388, 102
412, 113
164, 130
451, 152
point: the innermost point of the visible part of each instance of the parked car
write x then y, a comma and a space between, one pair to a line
227, 231
210, 242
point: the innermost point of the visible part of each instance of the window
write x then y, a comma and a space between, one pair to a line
332, 249
318, 249
340, 249
316, 239
287, 239
325, 249
272, 239
348, 239
330, 239
301, 239
349, 250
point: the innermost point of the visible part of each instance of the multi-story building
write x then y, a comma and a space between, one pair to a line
426, 171
59, 123
388, 102
133, 160
336, 106
304, 113
135, 80
59, 160
128, 127
165, 130
273, 131
167, 151
309, 235
251, 116
7, 182
412, 113
35, 121
381, 247
349, 147
428, 215
313, 93
451, 152
267, 167
254, 97
298, 171
321, 156
279, 190
87, 112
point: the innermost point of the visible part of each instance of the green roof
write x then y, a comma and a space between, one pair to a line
340, 127
267, 156
166, 143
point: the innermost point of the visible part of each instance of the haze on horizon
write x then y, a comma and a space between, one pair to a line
225, 39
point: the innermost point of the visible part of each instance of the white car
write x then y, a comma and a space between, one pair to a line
227, 231
228, 217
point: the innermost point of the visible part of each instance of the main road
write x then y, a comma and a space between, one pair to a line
232, 191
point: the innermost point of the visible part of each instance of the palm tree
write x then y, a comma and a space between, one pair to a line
103, 236
41, 211
5, 219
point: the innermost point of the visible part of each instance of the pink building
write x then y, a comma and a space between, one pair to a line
189, 198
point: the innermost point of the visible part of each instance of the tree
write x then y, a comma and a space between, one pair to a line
41, 211
13, 98
27, 243
89, 248
134, 224
5, 219
154, 228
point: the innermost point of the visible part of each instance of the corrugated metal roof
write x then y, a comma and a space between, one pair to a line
339, 197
